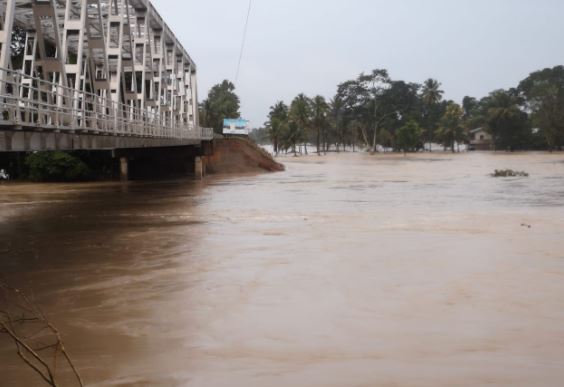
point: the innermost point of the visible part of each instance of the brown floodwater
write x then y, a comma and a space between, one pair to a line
345, 270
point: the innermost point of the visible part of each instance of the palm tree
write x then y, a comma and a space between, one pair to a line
277, 123
451, 130
336, 107
431, 95
354, 128
505, 120
300, 112
319, 109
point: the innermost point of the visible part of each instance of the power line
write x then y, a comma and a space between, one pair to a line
243, 43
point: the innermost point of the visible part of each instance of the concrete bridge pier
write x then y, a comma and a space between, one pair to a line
169, 162
201, 160
198, 168
123, 168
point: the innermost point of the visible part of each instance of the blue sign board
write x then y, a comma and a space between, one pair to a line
235, 126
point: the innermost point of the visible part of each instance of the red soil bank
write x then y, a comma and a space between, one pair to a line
239, 155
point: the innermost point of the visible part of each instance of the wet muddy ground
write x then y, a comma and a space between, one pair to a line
345, 270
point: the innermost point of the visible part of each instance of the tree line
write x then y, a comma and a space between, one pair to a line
376, 112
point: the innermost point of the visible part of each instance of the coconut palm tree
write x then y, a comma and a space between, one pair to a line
336, 110
300, 116
319, 108
431, 96
431, 93
451, 130
277, 123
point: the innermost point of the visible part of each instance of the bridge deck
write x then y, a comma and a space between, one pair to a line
76, 71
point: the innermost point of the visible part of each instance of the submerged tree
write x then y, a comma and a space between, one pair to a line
347, 105
506, 122
431, 96
319, 109
372, 108
377, 82
409, 137
451, 130
277, 124
300, 119
543, 97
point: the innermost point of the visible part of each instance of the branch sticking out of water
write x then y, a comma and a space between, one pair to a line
38, 343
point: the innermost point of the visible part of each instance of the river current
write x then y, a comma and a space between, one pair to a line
345, 270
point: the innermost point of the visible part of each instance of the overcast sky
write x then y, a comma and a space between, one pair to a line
471, 46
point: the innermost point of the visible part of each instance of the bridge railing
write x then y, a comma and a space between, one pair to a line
33, 103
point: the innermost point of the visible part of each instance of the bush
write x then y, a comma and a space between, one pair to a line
409, 136
509, 173
56, 166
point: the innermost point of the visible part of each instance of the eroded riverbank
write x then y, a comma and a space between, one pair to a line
344, 270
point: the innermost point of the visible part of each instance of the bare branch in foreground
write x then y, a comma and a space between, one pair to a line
37, 342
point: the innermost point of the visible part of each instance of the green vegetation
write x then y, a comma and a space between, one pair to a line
509, 173
56, 166
222, 102
375, 111
278, 118
507, 123
62, 166
542, 94
299, 117
319, 122
451, 130
409, 136
431, 96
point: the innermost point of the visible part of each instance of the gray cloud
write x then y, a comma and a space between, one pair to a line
293, 46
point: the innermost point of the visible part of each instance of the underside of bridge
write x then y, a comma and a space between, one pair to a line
93, 74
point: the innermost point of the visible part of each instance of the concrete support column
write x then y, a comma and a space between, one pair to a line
123, 168
198, 168
205, 165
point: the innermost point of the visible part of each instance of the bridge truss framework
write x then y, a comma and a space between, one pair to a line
74, 70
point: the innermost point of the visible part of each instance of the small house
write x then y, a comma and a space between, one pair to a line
480, 139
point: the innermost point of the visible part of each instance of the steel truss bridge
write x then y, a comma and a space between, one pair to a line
93, 74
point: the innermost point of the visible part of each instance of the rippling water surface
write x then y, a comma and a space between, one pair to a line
346, 270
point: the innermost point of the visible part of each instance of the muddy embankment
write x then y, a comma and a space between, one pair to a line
239, 155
